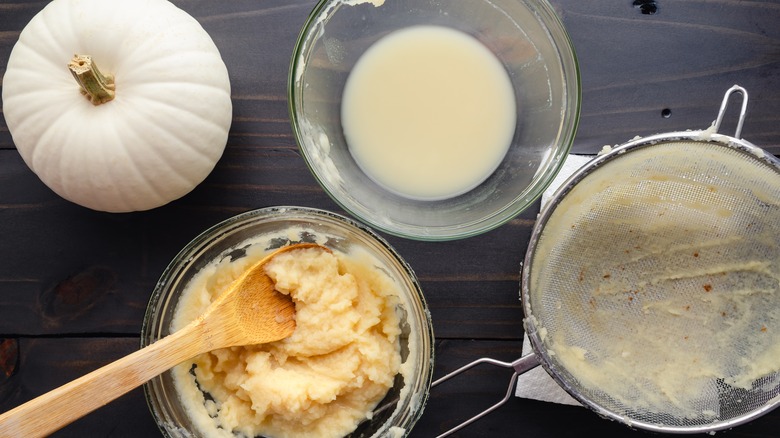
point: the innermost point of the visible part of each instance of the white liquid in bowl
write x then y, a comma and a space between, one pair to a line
428, 112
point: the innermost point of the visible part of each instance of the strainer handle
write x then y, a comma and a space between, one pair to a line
742, 112
519, 366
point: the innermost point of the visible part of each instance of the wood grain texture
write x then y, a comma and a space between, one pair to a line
682, 58
74, 283
45, 364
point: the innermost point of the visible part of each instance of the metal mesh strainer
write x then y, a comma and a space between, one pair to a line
651, 285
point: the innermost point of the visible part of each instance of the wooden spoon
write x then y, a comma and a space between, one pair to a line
249, 312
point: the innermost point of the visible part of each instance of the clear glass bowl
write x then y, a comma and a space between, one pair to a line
525, 35
404, 402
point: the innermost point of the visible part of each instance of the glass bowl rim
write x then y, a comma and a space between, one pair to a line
572, 85
417, 397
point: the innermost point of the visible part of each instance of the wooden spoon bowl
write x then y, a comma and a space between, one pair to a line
249, 312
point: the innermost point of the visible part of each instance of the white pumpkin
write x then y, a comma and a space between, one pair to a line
161, 134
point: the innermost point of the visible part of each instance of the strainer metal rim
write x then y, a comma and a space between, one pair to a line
698, 136
535, 335
539, 355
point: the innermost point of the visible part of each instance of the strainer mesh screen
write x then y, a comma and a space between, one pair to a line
655, 282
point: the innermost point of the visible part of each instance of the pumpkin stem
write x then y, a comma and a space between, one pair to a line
98, 88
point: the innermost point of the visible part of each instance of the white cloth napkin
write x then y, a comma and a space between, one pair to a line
570, 165
536, 384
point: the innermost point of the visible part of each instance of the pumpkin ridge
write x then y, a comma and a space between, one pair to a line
184, 70
151, 185
44, 28
26, 50
177, 22
143, 55
61, 184
34, 150
167, 160
154, 119
218, 89
124, 197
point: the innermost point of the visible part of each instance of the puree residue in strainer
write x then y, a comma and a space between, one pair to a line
657, 282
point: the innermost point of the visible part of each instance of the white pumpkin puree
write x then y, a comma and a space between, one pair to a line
320, 382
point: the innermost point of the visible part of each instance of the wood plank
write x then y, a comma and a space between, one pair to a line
449, 404
682, 58
47, 363
479, 388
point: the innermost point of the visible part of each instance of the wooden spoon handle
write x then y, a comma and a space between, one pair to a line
59, 407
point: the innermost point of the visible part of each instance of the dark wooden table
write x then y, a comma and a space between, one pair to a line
74, 283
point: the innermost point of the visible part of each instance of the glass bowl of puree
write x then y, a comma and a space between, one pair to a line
434, 120
359, 363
